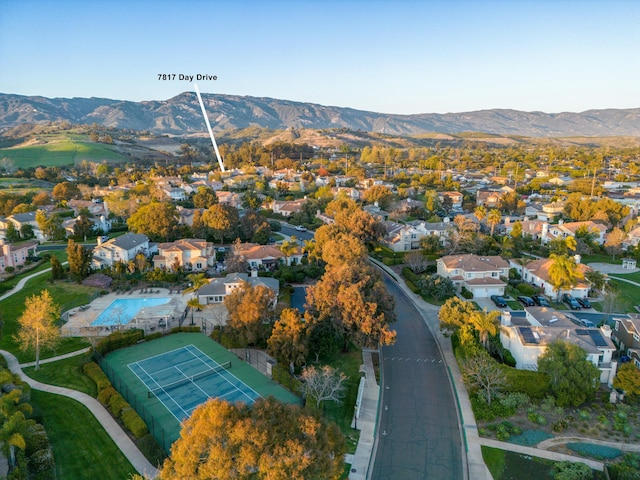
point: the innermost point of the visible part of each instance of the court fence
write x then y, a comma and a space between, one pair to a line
258, 359
164, 439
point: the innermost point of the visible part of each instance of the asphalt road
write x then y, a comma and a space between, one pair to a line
418, 430
308, 235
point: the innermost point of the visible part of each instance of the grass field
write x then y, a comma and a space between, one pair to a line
67, 295
634, 277
505, 465
81, 447
65, 373
60, 149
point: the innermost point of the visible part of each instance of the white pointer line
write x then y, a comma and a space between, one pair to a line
206, 120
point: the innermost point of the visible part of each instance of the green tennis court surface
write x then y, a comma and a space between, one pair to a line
184, 378
191, 367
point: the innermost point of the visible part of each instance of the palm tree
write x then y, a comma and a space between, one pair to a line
494, 217
288, 248
563, 273
480, 213
310, 248
197, 281
486, 324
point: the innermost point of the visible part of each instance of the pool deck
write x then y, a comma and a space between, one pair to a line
79, 319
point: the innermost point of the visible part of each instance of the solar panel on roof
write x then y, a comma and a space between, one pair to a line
581, 331
597, 338
527, 335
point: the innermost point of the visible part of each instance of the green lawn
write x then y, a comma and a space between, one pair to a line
65, 373
628, 297
67, 295
60, 149
634, 277
342, 413
505, 465
81, 447
600, 258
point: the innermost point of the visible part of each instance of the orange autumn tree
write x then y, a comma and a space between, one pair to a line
268, 440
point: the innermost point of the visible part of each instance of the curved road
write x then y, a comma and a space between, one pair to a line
418, 430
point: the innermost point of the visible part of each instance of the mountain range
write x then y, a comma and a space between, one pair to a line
182, 116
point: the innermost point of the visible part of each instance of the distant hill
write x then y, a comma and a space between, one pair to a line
181, 115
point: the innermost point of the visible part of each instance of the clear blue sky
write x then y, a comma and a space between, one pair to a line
380, 55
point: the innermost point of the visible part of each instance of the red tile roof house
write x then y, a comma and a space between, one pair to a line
478, 274
265, 256
191, 253
536, 272
15, 255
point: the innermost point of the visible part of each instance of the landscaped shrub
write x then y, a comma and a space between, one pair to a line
281, 375
537, 418
95, 373
41, 465
599, 452
515, 400
530, 438
466, 293
560, 425
187, 329
150, 449
534, 384
118, 340
525, 289
412, 286
153, 336
36, 439
105, 395
483, 411
117, 404
134, 423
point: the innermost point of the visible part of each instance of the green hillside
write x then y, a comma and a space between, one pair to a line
59, 150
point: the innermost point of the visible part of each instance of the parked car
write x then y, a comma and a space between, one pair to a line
499, 301
584, 303
540, 301
586, 323
300, 228
570, 302
526, 301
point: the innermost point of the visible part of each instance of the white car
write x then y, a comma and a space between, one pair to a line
300, 228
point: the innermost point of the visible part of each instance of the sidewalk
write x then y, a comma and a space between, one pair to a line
121, 439
367, 422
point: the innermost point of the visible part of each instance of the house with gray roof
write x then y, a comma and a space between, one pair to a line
218, 288
121, 249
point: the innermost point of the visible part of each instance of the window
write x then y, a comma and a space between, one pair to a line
636, 337
494, 274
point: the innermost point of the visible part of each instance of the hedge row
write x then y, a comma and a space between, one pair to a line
118, 340
95, 373
118, 406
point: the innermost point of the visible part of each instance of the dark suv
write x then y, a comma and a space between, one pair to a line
540, 301
499, 301
584, 303
526, 301
571, 302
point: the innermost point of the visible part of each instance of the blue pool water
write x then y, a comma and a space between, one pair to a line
122, 310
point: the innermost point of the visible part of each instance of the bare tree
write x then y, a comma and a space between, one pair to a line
416, 261
322, 384
483, 372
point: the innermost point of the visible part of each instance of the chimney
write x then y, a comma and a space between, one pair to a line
568, 333
578, 258
254, 273
99, 238
606, 330
506, 319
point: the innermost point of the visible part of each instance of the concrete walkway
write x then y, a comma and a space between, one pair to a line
59, 357
121, 439
20, 285
366, 423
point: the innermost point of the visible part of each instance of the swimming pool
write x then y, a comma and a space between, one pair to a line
122, 310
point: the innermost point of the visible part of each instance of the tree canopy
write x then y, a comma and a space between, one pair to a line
268, 440
157, 220
573, 378
38, 328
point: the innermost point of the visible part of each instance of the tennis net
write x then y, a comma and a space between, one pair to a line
183, 381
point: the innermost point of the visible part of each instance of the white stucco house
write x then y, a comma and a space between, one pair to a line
481, 275
120, 249
218, 288
536, 272
528, 337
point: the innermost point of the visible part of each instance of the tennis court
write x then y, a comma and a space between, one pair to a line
166, 378
185, 377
